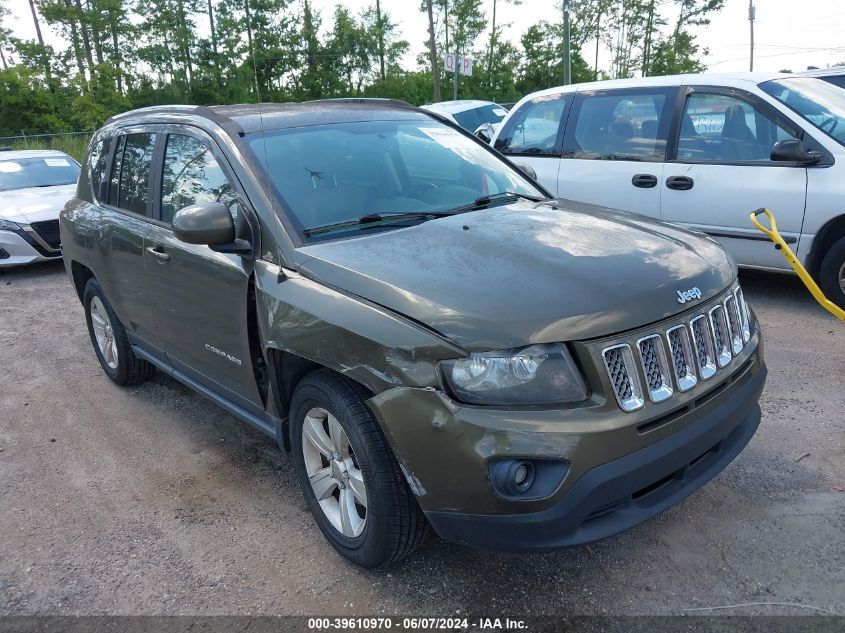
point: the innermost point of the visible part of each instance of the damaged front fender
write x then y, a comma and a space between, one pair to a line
370, 345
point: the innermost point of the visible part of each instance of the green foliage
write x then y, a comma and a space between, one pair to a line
123, 54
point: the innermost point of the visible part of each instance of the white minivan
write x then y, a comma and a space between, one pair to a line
702, 151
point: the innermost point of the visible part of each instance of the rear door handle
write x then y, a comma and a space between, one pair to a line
644, 181
680, 183
158, 253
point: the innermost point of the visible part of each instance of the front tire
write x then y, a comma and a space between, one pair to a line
349, 476
110, 341
832, 273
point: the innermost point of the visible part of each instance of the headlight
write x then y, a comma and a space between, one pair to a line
6, 225
537, 374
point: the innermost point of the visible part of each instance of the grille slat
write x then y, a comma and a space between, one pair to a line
655, 368
721, 336
682, 357
690, 351
619, 362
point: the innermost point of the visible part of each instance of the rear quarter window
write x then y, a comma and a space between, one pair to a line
95, 167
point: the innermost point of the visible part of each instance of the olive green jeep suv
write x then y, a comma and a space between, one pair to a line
438, 341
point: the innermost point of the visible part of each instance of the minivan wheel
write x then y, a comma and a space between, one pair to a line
350, 479
110, 341
832, 273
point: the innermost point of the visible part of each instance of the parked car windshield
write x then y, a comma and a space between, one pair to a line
819, 102
46, 171
327, 174
471, 119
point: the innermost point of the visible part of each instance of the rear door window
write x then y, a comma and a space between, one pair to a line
533, 129
131, 173
620, 125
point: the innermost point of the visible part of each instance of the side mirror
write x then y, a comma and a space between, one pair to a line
792, 150
527, 170
485, 132
204, 223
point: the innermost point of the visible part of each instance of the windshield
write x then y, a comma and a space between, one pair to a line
329, 174
819, 102
472, 119
47, 171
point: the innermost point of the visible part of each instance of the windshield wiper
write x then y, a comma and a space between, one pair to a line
373, 220
485, 201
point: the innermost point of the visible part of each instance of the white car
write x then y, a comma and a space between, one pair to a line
34, 186
702, 151
470, 114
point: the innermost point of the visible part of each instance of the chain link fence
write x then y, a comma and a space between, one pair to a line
71, 143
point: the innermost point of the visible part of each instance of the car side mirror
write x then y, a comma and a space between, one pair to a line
527, 170
792, 150
207, 223
485, 132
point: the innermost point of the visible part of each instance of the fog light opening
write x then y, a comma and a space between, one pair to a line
523, 475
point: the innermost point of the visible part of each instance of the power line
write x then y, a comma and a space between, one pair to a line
751, 15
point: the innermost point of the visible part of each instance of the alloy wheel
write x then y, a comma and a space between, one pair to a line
842, 277
103, 332
334, 472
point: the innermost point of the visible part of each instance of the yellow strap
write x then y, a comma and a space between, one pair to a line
787, 253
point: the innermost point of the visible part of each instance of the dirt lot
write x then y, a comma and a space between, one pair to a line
151, 500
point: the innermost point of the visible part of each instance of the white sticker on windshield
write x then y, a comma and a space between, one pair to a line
500, 111
57, 162
448, 137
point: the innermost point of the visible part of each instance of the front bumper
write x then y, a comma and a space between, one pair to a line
19, 248
618, 495
623, 468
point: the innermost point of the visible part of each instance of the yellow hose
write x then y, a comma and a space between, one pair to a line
783, 247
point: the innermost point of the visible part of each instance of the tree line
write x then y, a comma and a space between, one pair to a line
123, 54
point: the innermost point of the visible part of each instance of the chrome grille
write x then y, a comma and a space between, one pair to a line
743, 314
682, 359
734, 327
655, 368
619, 362
689, 351
721, 337
704, 351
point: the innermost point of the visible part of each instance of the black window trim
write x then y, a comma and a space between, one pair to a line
763, 107
219, 155
666, 126
114, 145
568, 97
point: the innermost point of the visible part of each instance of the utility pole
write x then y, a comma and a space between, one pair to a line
567, 56
751, 15
380, 31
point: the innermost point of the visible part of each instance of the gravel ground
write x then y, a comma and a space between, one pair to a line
151, 500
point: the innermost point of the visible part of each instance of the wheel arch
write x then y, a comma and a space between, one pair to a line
287, 370
827, 236
80, 274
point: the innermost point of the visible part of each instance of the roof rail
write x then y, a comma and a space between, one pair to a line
373, 100
200, 110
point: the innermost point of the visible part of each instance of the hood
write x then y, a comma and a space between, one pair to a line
34, 204
525, 273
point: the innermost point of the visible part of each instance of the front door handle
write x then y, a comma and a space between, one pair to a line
158, 253
644, 181
680, 183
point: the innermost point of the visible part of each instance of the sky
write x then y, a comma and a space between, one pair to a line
789, 34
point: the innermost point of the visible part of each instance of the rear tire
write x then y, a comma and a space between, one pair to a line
832, 273
110, 341
342, 449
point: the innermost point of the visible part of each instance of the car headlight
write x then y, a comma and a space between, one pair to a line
6, 225
537, 374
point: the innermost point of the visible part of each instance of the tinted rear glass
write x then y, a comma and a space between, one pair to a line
134, 181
